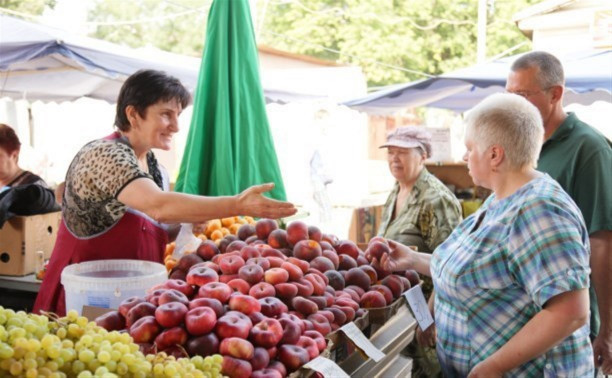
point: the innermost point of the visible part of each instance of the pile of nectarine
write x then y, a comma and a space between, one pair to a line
264, 298
214, 230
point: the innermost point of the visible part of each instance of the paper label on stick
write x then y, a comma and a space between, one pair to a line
358, 338
418, 305
327, 367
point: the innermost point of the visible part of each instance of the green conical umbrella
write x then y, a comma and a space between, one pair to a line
229, 146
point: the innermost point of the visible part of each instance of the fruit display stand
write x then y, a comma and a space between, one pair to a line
18, 293
267, 299
27, 283
368, 324
391, 338
339, 347
390, 329
381, 315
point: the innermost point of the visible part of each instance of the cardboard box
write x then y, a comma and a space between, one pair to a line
22, 237
452, 174
365, 222
92, 312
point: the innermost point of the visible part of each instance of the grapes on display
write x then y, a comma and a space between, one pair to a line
47, 346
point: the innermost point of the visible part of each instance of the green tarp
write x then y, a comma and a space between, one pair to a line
229, 146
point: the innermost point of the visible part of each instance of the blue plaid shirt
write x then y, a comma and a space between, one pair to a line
496, 271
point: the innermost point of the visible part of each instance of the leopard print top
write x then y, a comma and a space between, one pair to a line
96, 176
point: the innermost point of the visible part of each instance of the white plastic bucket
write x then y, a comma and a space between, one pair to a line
105, 283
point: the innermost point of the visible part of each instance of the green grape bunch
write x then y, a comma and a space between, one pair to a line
49, 346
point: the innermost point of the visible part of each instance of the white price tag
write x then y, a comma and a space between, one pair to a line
418, 305
358, 338
327, 367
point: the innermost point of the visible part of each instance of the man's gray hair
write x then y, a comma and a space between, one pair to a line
510, 121
550, 68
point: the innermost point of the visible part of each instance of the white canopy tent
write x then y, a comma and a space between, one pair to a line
588, 78
39, 62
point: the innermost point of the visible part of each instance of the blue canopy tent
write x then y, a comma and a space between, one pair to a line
588, 77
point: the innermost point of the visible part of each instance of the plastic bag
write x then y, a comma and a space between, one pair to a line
186, 241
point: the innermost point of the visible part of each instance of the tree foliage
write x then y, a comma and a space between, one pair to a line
431, 37
30, 7
176, 26
392, 40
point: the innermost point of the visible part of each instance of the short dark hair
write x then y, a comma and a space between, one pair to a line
551, 69
145, 88
9, 141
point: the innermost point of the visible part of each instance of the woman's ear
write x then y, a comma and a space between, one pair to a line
131, 113
423, 157
496, 154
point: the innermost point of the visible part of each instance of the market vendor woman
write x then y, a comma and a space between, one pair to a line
512, 280
116, 203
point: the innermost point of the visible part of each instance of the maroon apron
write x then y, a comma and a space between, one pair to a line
133, 237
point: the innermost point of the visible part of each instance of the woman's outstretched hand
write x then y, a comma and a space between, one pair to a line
398, 259
252, 202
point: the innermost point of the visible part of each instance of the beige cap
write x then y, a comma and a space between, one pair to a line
409, 137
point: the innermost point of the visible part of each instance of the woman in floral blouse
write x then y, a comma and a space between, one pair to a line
116, 203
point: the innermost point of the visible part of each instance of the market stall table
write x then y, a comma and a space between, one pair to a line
19, 293
390, 339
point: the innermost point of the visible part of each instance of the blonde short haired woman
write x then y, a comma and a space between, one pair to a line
512, 280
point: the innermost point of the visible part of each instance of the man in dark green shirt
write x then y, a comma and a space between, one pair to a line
580, 159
